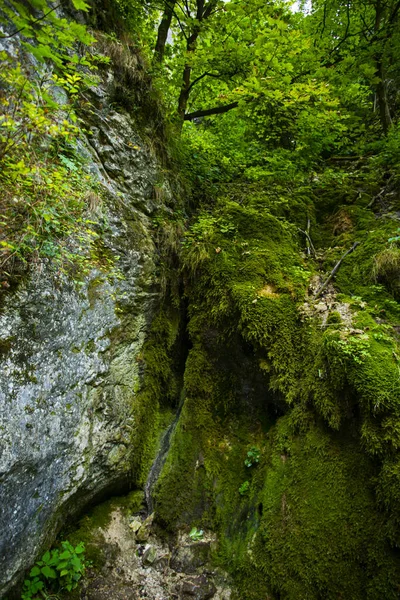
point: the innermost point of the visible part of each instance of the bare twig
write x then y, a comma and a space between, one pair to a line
310, 245
6, 37
380, 195
334, 270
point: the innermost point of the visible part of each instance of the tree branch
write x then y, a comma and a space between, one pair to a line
207, 74
217, 110
334, 270
310, 245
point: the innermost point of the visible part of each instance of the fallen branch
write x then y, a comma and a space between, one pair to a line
334, 270
381, 194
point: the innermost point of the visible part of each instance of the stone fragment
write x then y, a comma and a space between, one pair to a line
143, 534
197, 588
321, 307
190, 557
135, 525
149, 555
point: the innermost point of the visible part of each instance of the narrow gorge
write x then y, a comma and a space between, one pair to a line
199, 300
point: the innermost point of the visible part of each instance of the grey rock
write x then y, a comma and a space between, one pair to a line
188, 558
143, 534
321, 307
68, 369
197, 588
103, 589
149, 555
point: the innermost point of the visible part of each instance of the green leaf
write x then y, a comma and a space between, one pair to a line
80, 5
49, 573
80, 547
34, 571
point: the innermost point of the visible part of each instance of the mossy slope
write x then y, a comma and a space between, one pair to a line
320, 402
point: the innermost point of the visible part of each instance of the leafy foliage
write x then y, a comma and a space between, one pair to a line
253, 457
244, 488
196, 534
44, 184
58, 570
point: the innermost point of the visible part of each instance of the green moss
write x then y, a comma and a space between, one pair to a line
334, 317
320, 534
160, 390
309, 526
5, 346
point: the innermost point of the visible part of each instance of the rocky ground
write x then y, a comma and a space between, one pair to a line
138, 564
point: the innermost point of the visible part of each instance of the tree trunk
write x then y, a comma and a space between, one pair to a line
381, 93
187, 71
203, 12
383, 104
163, 29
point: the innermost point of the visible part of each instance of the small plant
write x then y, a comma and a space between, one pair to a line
395, 238
56, 571
253, 457
244, 488
196, 534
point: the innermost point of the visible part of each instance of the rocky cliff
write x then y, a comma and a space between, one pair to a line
70, 351
265, 376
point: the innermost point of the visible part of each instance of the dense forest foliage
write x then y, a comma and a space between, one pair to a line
306, 97
280, 121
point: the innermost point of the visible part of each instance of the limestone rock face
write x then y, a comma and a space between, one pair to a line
70, 356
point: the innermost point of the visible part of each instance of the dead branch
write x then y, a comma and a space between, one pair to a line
310, 245
334, 270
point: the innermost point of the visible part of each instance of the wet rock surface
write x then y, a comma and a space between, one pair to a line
136, 571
